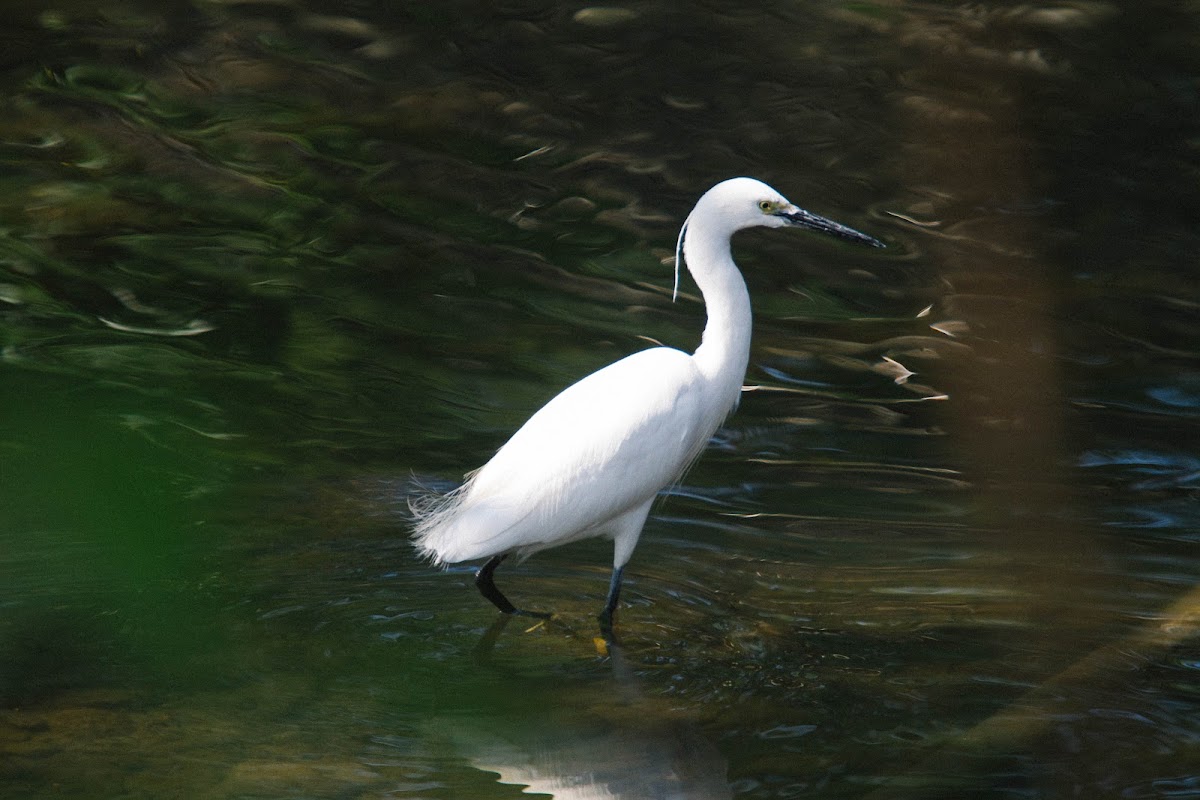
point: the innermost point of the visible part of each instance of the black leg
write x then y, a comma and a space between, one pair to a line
487, 587
610, 605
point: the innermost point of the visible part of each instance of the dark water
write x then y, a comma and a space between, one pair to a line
264, 264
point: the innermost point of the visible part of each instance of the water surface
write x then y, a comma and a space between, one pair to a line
266, 267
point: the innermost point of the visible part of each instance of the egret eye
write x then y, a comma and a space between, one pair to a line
765, 206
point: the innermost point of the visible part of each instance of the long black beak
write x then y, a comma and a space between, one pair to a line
806, 219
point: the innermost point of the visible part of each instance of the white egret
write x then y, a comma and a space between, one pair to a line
592, 460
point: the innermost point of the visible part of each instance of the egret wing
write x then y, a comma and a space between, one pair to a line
604, 445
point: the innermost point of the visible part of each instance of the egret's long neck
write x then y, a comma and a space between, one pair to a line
725, 349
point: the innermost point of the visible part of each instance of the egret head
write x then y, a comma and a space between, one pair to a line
741, 203
748, 203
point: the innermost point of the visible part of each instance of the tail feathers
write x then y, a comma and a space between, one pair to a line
450, 528
432, 513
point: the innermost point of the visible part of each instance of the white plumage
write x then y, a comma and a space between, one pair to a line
591, 461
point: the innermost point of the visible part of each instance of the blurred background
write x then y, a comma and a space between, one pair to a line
266, 267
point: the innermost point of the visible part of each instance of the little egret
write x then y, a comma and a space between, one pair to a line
592, 460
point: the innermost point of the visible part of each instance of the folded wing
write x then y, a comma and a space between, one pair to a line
603, 446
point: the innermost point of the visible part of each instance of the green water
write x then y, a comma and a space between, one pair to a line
267, 267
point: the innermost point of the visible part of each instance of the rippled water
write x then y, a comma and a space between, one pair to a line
266, 267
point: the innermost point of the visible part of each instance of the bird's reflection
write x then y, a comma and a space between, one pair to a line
627, 746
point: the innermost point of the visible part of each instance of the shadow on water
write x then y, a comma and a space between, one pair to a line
599, 739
